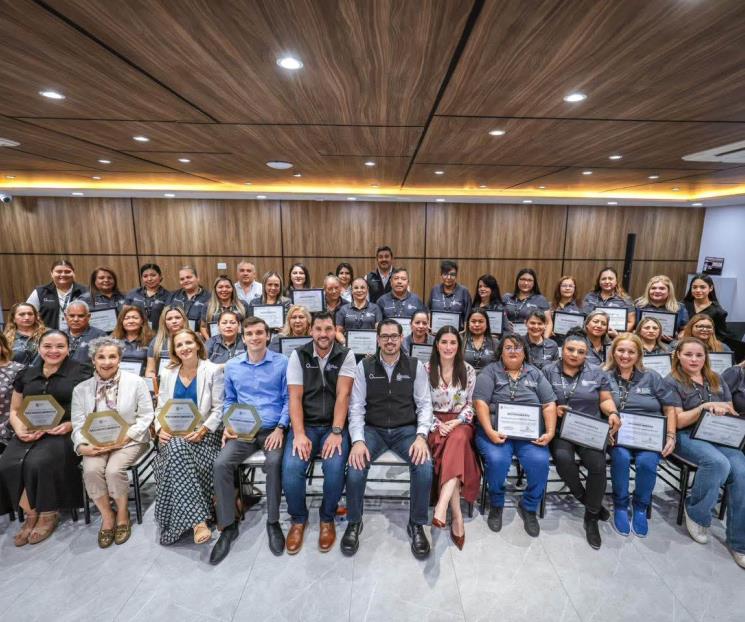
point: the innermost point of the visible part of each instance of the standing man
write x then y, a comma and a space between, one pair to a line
400, 302
450, 295
319, 379
247, 287
391, 408
379, 281
258, 377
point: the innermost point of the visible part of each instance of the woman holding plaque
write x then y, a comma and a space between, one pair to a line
649, 330
659, 295
451, 382
298, 278
52, 299
271, 294
345, 274
420, 334
541, 350
23, 331
700, 392
526, 297
479, 347
39, 470
9, 370
641, 392
511, 382
104, 290
702, 327
223, 298
172, 320
297, 324
582, 389
151, 297
701, 297
608, 293
360, 313
227, 343
105, 466
183, 466
133, 330
596, 329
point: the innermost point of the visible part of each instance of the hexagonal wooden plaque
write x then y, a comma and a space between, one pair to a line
40, 412
179, 417
104, 428
244, 420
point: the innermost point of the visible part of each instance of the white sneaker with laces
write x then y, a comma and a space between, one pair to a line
739, 558
698, 532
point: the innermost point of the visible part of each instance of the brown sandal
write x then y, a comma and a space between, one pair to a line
122, 532
42, 531
202, 533
21, 538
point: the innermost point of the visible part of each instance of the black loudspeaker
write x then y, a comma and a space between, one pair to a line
628, 261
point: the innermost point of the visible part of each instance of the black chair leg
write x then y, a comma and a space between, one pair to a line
74, 514
649, 511
470, 510
683, 490
241, 483
21, 515
520, 475
86, 507
482, 504
723, 505
12, 515
138, 495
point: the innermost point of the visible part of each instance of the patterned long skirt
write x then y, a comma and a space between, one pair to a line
183, 473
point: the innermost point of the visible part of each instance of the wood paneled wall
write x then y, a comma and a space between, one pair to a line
497, 239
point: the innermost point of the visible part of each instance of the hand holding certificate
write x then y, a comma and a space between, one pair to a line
617, 318
362, 342
311, 299
666, 319
273, 315
444, 318
519, 421
496, 319
584, 430
646, 432
103, 319
725, 430
179, 417
661, 363
720, 361
40, 413
104, 428
565, 321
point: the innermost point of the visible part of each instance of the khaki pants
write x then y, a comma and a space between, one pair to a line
107, 473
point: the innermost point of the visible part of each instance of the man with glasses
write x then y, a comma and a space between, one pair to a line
450, 295
391, 409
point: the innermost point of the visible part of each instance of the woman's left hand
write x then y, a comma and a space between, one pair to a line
669, 446
447, 427
196, 436
61, 429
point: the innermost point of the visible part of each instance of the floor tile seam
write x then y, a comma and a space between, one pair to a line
142, 578
561, 582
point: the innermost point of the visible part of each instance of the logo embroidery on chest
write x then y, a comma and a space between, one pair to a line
589, 383
643, 391
400, 377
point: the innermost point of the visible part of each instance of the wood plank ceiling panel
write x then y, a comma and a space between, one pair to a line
473, 177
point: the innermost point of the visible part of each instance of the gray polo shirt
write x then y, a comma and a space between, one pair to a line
494, 385
518, 310
543, 353
692, 396
393, 307
580, 392
458, 301
647, 393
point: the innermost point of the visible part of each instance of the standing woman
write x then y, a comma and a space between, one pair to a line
192, 297
183, 466
451, 383
172, 320
105, 468
271, 293
541, 350
52, 299
450, 295
9, 370
702, 326
298, 278
345, 274
565, 299
104, 290
649, 330
134, 332
227, 343
360, 313
479, 347
735, 379
419, 332
596, 329
488, 297
39, 471
609, 293
152, 297
583, 389
642, 392
526, 297
23, 331
702, 298
223, 298
659, 295
297, 324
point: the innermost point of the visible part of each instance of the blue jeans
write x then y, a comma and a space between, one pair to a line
398, 440
646, 476
294, 469
717, 466
497, 461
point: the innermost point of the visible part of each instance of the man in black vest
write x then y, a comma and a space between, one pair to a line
319, 380
391, 408
379, 281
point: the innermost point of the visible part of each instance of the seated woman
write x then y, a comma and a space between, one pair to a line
9, 371
479, 346
541, 350
223, 298
23, 331
133, 329
701, 298
39, 469
419, 332
637, 391
584, 389
358, 314
104, 290
451, 382
735, 379
172, 320
227, 343
649, 330
511, 380
608, 293
659, 295
151, 297
596, 329
298, 278
697, 389
297, 324
105, 467
701, 326
183, 466
488, 298
271, 294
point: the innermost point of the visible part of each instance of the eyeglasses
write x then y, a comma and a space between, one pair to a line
389, 337
513, 349
521, 280
704, 328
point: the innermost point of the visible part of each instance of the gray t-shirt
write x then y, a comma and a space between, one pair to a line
494, 385
645, 394
580, 392
692, 396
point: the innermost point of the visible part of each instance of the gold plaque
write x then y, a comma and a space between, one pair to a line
243, 420
179, 417
40, 412
104, 428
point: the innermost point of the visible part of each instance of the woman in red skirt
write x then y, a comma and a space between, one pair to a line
451, 382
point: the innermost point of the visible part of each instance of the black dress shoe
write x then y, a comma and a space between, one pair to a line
592, 533
530, 521
222, 546
494, 520
276, 538
419, 542
603, 514
350, 541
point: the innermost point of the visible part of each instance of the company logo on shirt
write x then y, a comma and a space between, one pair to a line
331, 367
589, 383
531, 383
372, 376
400, 377
644, 391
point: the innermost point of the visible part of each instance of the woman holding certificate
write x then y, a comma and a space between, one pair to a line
298, 277
516, 410
451, 382
488, 298
104, 290
702, 298
541, 350
172, 320
133, 329
297, 324
649, 330
420, 334
105, 464
23, 331
183, 466
642, 399
700, 395
564, 301
227, 343
223, 298
151, 297
360, 313
659, 297
596, 329
608, 294
584, 391
525, 298
271, 294
39, 469
479, 347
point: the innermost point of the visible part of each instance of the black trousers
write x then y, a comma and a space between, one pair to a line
591, 493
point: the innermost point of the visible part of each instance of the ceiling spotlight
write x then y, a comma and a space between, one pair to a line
541, 187
440, 200
497, 133
587, 172
369, 163
375, 185
351, 198
439, 172
612, 202
10, 177
573, 98
105, 161
247, 183
141, 139
290, 62
279, 165
483, 186
615, 157
184, 160
96, 177
169, 195
77, 194
697, 204
653, 177
675, 189
261, 196
527, 201
51, 94
6, 142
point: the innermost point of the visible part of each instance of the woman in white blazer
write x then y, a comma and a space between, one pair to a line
105, 467
183, 466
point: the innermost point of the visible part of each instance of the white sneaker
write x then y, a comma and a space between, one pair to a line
698, 532
739, 558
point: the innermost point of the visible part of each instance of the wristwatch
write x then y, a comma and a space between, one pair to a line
282, 426
336, 430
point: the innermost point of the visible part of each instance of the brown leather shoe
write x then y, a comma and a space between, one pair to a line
327, 537
295, 538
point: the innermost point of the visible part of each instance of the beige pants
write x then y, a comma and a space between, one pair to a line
107, 473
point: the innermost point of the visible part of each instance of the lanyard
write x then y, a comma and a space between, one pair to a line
707, 388
514, 384
573, 388
624, 386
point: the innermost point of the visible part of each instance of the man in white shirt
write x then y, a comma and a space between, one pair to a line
247, 287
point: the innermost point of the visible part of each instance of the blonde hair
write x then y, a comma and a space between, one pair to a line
286, 330
671, 304
610, 364
214, 305
175, 360
712, 343
679, 373
162, 337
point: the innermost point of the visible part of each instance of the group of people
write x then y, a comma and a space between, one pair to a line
434, 397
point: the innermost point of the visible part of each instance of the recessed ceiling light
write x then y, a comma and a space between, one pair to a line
6, 142
52, 94
439, 172
497, 133
279, 165
369, 163
261, 196
697, 204
541, 187
247, 183
96, 177
297, 174
105, 161
587, 172
483, 186
169, 195
351, 198
612, 202
184, 160
573, 98
141, 139
77, 194
615, 157
675, 188
290, 62
10, 177
375, 185
653, 177
440, 200
527, 201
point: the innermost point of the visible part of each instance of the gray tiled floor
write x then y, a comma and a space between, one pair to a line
505, 577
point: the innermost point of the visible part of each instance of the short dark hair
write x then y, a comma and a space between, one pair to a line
389, 322
512, 338
322, 315
446, 265
150, 266
380, 249
538, 314
397, 270
252, 320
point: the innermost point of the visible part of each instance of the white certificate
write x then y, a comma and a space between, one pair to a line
564, 321
666, 318
444, 318
645, 432
273, 315
192, 324
519, 421
103, 319
661, 363
311, 299
720, 429
495, 321
289, 344
421, 351
405, 323
584, 430
362, 341
164, 361
214, 329
133, 367
520, 328
720, 361
617, 318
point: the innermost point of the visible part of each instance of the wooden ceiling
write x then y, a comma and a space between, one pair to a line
413, 86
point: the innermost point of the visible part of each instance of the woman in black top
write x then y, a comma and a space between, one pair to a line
39, 470
297, 278
702, 298
52, 299
479, 347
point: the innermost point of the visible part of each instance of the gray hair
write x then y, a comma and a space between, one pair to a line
104, 341
595, 312
79, 303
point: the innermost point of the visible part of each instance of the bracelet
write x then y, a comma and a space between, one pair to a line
670, 435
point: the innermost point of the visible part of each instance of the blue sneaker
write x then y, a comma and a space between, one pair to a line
621, 521
639, 523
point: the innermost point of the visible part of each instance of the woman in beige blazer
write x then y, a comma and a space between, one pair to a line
105, 467
183, 466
